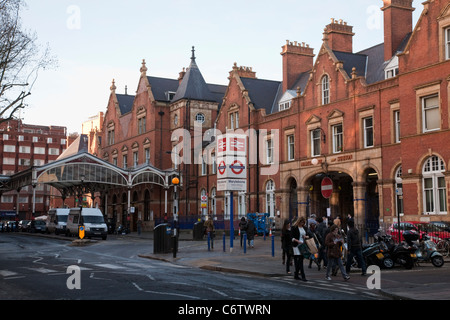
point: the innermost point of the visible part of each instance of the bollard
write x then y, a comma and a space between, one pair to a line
224, 241
273, 245
245, 242
209, 241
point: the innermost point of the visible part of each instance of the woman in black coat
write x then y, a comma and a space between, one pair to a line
286, 244
251, 230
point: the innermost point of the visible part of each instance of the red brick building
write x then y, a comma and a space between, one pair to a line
373, 121
22, 146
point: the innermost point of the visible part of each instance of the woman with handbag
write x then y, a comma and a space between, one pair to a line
298, 233
313, 245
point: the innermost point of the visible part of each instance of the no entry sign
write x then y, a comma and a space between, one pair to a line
326, 187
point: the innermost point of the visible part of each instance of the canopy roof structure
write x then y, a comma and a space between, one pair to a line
77, 172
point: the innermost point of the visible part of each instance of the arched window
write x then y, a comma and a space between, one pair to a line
434, 190
325, 88
399, 190
270, 198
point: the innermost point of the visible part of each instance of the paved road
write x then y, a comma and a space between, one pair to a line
37, 268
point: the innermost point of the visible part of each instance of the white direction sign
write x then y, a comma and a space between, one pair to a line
231, 185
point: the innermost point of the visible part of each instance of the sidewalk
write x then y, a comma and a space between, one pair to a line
261, 261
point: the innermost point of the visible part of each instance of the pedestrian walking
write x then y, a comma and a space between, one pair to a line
354, 248
286, 244
243, 228
321, 229
209, 226
334, 242
314, 256
251, 230
139, 226
298, 240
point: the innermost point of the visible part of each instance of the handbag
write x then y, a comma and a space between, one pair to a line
304, 251
312, 246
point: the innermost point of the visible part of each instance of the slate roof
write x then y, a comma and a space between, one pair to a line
193, 86
352, 60
263, 93
161, 87
125, 102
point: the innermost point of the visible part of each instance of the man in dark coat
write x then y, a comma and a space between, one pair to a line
354, 248
251, 230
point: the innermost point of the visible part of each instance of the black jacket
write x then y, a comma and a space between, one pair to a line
353, 240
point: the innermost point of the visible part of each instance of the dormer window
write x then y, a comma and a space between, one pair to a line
391, 73
284, 105
391, 69
170, 95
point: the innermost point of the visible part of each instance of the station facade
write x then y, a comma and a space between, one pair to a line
375, 122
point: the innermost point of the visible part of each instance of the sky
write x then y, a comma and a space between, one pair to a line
97, 41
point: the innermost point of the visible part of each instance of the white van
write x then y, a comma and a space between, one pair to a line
57, 220
91, 218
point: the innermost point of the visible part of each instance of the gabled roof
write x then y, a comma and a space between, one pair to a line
193, 86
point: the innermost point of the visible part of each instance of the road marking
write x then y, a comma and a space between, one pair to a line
109, 266
7, 273
42, 270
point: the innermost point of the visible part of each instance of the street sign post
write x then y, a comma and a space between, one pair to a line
231, 170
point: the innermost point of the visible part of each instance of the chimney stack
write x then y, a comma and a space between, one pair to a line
298, 58
243, 72
339, 36
397, 24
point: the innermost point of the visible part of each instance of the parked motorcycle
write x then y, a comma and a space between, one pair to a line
404, 253
122, 229
377, 253
427, 251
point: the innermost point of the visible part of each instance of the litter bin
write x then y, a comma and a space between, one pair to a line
162, 235
198, 231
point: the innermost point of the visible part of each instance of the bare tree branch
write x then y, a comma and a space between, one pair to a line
21, 59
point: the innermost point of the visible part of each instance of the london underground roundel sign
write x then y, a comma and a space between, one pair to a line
326, 187
222, 167
237, 167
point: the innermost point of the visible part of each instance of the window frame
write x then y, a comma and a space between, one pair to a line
426, 109
325, 89
368, 131
396, 115
269, 151
447, 43
200, 117
434, 194
338, 138
290, 139
315, 149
